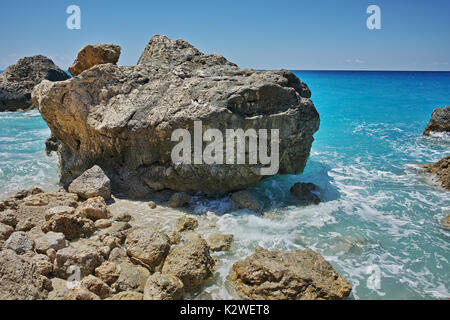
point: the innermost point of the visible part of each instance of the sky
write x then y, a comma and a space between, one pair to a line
289, 34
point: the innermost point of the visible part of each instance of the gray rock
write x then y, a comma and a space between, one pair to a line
19, 242
50, 240
92, 183
17, 81
440, 121
246, 200
92, 55
122, 118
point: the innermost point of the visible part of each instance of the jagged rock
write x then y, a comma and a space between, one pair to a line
109, 272
96, 286
94, 209
442, 171
191, 263
71, 225
300, 275
179, 199
122, 118
80, 294
51, 254
446, 222
9, 218
92, 183
246, 200
19, 242
163, 287
220, 242
132, 277
59, 210
25, 225
305, 193
118, 255
127, 295
51, 145
43, 264
86, 258
17, 81
186, 223
174, 237
5, 231
440, 121
20, 278
103, 223
92, 55
50, 240
148, 246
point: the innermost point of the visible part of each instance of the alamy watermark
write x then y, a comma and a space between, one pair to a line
74, 20
374, 20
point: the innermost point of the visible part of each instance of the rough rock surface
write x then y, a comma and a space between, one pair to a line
96, 286
440, 121
246, 200
446, 222
19, 242
50, 240
94, 209
132, 277
442, 171
17, 81
92, 183
300, 275
122, 118
163, 287
20, 278
5, 231
186, 223
71, 225
127, 295
191, 263
80, 293
109, 272
85, 257
148, 246
305, 193
92, 55
220, 242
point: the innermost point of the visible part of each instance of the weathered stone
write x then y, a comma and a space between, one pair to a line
19, 242
94, 209
132, 277
92, 183
300, 275
305, 193
127, 295
446, 222
8, 217
186, 223
92, 55
441, 170
163, 287
80, 294
123, 217
148, 246
220, 242
191, 263
179, 199
96, 286
51, 254
109, 272
246, 200
118, 255
25, 225
59, 210
20, 278
84, 257
43, 264
122, 118
5, 231
50, 240
174, 237
103, 224
440, 121
71, 225
59, 288
17, 81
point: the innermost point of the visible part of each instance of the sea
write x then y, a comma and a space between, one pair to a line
379, 220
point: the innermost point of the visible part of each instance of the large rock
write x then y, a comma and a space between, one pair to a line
441, 170
132, 277
84, 257
440, 121
300, 275
191, 263
122, 118
92, 55
17, 81
71, 225
163, 287
92, 183
20, 278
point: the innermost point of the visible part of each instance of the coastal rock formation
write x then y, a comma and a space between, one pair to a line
92, 55
305, 193
122, 118
300, 275
441, 170
440, 121
17, 81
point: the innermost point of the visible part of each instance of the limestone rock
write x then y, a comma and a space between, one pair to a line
92, 183
191, 263
132, 277
5, 231
148, 246
185, 223
19, 242
127, 295
440, 121
103, 224
71, 225
446, 222
220, 242
109, 272
94, 209
80, 294
122, 118
300, 275
305, 193
246, 200
86, 258
17, 81
9, 218
163, 287
174, 237
50, 240
442, 171
96, 286
25, 225
43, 264
92, 55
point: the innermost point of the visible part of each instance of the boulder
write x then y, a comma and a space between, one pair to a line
179, 199
20, 278
440, 121
17, 81
300, 275
109, 272
94, 209
5, 231
50, 240
246, 200
19, 242
305, 193
71, 225
132, 277
220, 242
446, 222
185, 223
92, 183
148, 246
191, 263
92, 55
86, 258
163, 287
127, 295
96, 286
122, 118
441, 170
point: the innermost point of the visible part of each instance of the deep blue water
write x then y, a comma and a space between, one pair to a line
380, 214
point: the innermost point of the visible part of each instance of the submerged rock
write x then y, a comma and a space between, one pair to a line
17, 81
305, 193
246, 200
122, 118
300, 275
92, 55
440, 121
442, 171
92, 183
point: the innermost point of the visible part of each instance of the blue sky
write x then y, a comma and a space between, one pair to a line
291, 34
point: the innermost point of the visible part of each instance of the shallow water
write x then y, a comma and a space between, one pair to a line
380, 214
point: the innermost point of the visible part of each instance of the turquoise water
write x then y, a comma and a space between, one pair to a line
380, 214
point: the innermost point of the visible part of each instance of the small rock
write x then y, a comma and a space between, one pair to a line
118, 255
305, 193
92, 55
79, 293
174, 237
102, 224
94, 209
86, 258
127, 295
59, 210
152, 205
109, 272
446, 222
179, 199
19, 242
220, 242
50, 240
8, 217
132, 277
92, 183
96, 286
111, 242
186, 223
43, 263
51, 254
5, 231
59, 288
245, 200
123, 217
25, 225
163, 287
